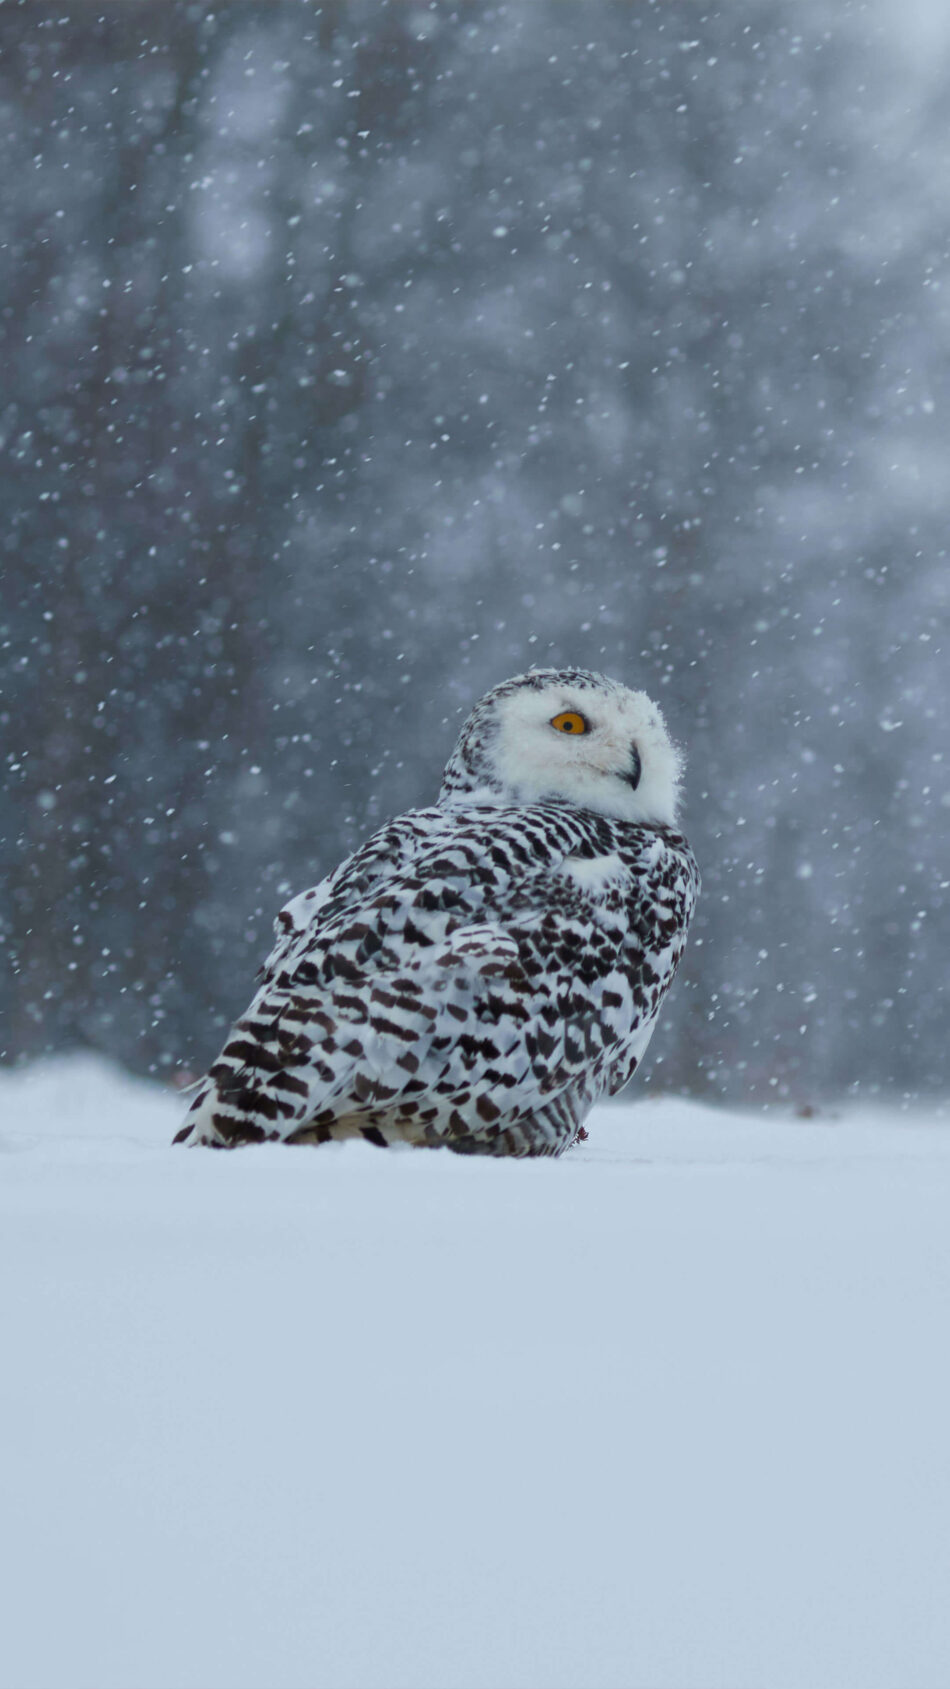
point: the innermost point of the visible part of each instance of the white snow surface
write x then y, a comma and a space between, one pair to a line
671, 1413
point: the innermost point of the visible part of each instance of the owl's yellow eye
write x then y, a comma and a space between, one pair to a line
571, 721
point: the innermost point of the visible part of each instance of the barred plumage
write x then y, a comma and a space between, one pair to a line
482, 971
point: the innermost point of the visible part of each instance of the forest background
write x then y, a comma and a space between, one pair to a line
356, 356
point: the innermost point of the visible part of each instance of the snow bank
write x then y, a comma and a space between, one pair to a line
671, 1412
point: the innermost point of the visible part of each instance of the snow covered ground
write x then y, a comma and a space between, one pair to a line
673, 1413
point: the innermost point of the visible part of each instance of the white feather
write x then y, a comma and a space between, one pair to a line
532, 760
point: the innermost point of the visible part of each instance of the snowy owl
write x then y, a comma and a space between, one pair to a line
480, 972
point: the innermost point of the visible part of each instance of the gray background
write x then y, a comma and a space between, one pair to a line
358, 356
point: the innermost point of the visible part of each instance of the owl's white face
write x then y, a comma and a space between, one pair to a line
575, 736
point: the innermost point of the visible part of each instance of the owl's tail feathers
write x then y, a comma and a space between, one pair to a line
232, 1109
307, 1060
259, 1088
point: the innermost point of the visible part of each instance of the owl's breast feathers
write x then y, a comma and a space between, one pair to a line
476, 975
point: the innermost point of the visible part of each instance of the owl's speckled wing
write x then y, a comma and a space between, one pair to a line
475, 976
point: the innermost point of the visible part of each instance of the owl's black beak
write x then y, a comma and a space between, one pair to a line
635, 769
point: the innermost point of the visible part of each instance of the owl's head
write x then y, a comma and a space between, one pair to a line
572, 735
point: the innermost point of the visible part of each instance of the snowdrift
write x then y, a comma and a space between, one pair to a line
670, 1412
